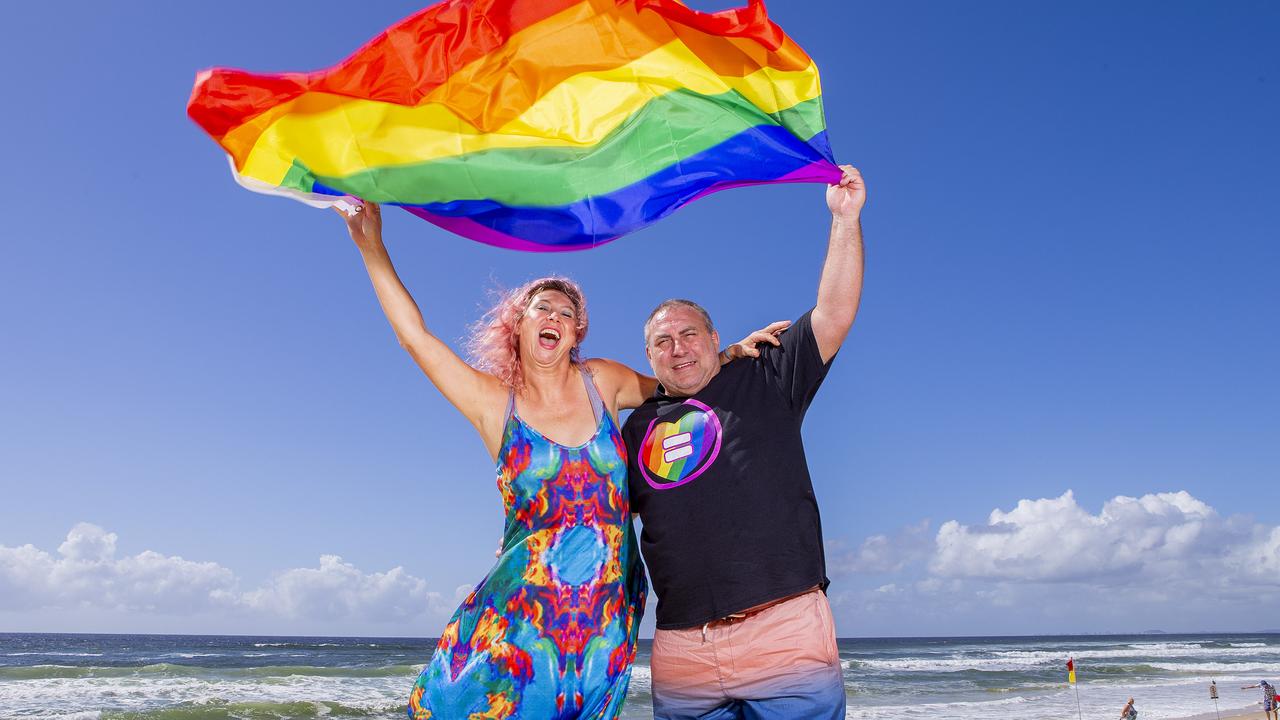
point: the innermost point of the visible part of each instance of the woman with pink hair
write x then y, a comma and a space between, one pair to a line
551, 630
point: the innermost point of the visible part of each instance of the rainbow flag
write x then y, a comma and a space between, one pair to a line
533, 124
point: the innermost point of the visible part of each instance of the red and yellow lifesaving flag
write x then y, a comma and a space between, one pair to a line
1071, 671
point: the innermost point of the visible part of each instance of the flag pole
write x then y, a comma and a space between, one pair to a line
1071, 678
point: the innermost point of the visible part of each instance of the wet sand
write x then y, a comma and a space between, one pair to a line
1254, 713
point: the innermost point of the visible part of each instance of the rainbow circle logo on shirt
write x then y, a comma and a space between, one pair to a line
675, 452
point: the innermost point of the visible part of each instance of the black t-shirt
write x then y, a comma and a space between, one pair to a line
721, 483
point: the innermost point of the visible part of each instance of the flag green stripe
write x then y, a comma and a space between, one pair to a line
671, 127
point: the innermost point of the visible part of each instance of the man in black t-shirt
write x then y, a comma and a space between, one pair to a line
732, 537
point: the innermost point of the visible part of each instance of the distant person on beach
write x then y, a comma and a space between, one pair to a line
551, 631
1129, 712
1268, 698
732, 536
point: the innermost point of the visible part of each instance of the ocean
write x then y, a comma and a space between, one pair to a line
183, 677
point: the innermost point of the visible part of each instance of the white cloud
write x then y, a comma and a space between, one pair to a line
88, 543
1258, 560
339, 590
1163, 560
462, 592
86, 573
25, 574
881, 553
1158, 537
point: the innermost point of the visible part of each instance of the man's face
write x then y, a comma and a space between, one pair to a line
683, 353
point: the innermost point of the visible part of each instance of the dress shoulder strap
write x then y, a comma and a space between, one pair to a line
597, 405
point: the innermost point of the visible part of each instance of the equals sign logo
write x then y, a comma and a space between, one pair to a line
677, 447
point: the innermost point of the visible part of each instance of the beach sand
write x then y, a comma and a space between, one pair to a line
1249, 714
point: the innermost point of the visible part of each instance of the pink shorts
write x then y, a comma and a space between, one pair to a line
780, 662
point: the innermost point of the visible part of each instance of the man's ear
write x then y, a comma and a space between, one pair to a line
715, 339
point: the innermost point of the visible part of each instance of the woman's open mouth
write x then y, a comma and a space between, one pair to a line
549, 338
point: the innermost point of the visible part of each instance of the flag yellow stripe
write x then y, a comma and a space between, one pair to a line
338, 136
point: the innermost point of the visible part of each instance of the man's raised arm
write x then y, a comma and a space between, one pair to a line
841, 285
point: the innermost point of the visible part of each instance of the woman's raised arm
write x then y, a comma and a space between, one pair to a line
478, 396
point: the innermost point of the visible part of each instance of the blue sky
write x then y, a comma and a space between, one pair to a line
1071, 286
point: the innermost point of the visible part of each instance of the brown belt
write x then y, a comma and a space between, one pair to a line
755, 610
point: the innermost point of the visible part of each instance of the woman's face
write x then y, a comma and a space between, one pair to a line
549, 328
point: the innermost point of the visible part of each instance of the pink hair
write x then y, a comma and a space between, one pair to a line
494, 341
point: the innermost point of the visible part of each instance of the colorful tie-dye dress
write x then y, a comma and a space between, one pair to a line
551, 631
